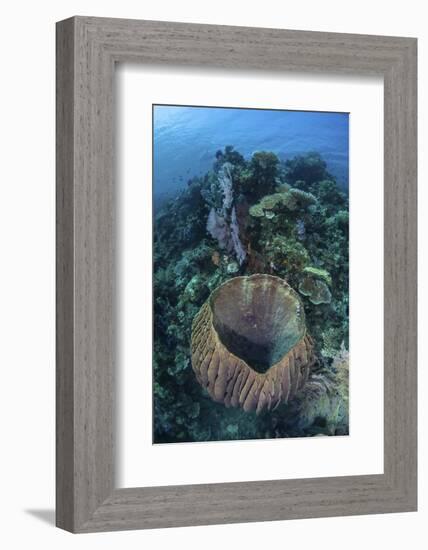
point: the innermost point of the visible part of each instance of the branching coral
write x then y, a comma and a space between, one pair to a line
264, 169
342, 219
230, 156
323, 405
287, 254
331, 342
341, 368
194, 288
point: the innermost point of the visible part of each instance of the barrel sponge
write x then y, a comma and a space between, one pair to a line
250, 347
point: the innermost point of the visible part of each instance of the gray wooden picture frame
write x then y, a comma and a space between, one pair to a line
87, 50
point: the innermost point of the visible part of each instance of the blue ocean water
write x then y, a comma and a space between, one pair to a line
186, 139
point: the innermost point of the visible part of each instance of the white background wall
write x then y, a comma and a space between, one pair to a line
27, 272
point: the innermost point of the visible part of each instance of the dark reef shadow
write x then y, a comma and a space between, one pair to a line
47, 515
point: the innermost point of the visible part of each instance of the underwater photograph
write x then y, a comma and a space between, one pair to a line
250, 274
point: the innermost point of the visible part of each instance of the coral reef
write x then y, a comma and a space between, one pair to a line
306, 169
292, 199
318, 273
257, 211
249, 343
316, 290
322, 408
254, 216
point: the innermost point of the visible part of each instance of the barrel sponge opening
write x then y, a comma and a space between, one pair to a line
258, 318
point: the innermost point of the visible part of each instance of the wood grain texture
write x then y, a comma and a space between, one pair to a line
64, 278
87, 49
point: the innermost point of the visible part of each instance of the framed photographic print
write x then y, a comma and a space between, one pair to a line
236, 274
